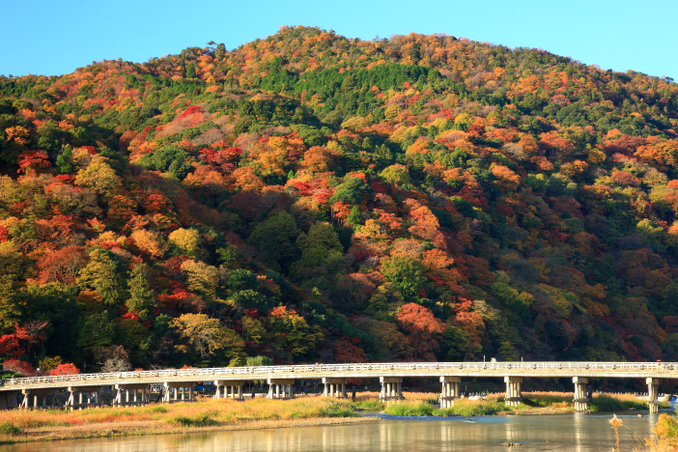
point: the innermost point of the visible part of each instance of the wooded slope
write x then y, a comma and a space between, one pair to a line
312, 198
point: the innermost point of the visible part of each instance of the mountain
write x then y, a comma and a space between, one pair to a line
313, 198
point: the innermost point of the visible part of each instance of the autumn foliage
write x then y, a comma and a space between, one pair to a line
64, 369
312, 198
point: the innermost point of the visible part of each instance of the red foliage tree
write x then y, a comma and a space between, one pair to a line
423, 329
468, 320
157, 203
32, 331
20, 367
346, 352
222, 157
64, 369
32, 161
62, 265
10, 345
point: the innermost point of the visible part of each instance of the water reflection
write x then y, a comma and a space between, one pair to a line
577, 433
579, 430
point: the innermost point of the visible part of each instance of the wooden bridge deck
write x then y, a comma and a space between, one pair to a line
657, 370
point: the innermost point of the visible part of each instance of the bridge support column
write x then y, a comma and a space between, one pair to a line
513, 394
391, 388
334, 387
581, 399
173, 389
81, 397
126, 389
38, 398
280, 389
229, 389
449, 391
652, 392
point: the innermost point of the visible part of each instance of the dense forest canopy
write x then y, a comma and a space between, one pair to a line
312, 198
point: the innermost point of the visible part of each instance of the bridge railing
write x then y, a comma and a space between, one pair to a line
311, 369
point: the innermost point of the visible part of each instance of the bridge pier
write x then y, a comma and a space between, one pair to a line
334, 387
177, 392
652, 392
449, 391
581, 398
75, 399
38, 398
140, 390
391, 389
513, 395
229, 389
280, 389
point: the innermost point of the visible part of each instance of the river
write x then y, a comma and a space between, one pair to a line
578, 432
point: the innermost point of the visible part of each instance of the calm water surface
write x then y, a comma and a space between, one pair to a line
580, 433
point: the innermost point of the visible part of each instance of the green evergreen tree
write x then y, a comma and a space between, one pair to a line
95, 331
101, 274
354, 218
64, 161
9, 309
141, 299
274, 238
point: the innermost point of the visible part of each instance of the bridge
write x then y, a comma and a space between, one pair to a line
133, 388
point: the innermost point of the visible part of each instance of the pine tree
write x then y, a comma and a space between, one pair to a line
141, 300
64, 162
9, 309
101, 274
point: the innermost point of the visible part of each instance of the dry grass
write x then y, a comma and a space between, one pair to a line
23, 425
223, 410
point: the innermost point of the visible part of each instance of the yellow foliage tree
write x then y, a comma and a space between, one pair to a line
186, 240
98, 176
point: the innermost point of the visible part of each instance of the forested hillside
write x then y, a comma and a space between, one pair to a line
313, 198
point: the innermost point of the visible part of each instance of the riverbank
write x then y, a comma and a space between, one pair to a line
208, 415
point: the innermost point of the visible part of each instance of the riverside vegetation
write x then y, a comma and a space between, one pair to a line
533, 403
19, 425
210, 414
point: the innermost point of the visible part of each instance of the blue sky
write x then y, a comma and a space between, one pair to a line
53, 37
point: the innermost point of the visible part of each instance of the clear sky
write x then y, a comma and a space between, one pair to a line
53, 37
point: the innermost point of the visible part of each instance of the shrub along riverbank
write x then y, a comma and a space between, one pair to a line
209, 414
533, 403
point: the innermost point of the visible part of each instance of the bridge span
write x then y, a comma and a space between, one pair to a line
133, 388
